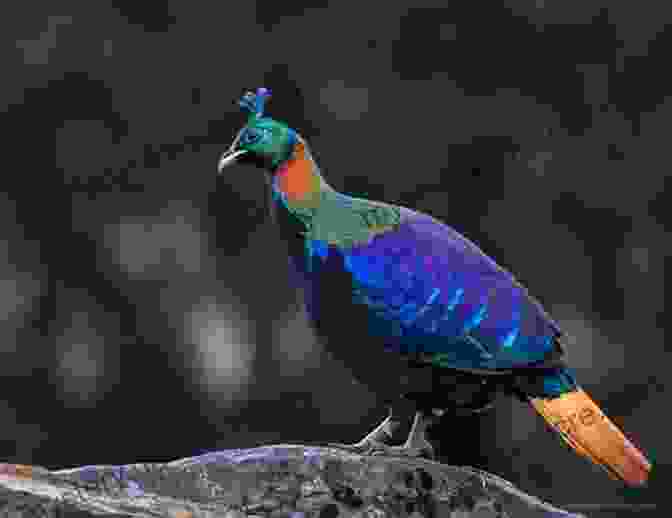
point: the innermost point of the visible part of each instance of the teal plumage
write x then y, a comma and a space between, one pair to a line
412, 307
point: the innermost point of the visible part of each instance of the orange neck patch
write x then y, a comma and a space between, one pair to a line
297, 178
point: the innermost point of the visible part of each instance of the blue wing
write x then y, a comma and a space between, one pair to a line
431, 291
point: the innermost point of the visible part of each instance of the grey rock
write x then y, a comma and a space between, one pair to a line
279, 481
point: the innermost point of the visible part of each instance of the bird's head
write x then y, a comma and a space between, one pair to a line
263, 141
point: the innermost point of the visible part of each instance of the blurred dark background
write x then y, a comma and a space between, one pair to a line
145, 310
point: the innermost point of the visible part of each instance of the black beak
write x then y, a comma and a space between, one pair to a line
229, 157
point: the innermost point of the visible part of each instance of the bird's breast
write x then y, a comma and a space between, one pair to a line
342, 322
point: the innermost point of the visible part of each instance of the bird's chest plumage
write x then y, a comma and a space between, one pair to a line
368, 301
343, 322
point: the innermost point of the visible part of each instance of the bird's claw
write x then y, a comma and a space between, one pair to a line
364, 447
375, 448
425, 451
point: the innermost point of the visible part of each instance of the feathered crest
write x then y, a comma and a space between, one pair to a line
254, 102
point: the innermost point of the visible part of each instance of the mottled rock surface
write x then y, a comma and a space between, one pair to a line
280, 481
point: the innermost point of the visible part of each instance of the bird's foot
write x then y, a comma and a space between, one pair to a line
422, 450
363, 447
376, 448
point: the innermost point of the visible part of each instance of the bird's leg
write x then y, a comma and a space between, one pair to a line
378, 441
416, 445
379, 437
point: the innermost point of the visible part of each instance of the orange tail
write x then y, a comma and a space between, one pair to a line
590, 433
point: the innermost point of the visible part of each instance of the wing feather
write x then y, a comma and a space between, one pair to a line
446, 299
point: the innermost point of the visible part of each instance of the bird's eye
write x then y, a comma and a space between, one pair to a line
251, 136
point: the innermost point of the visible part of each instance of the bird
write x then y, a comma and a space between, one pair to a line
417, 311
